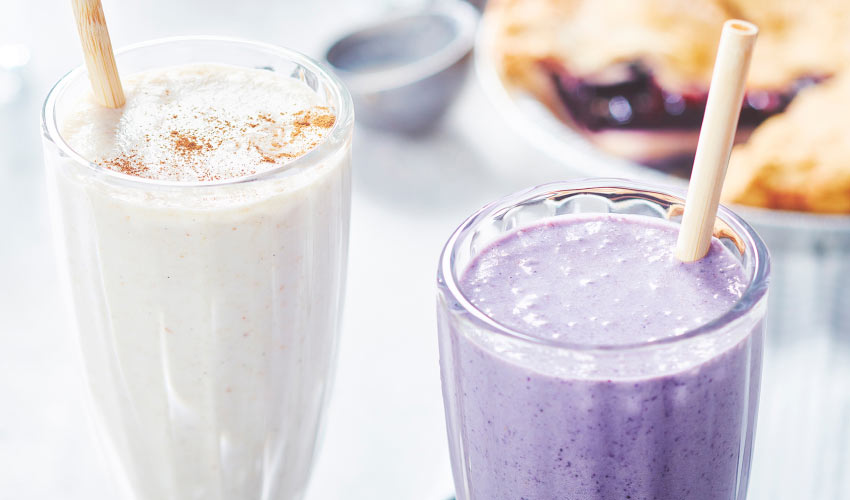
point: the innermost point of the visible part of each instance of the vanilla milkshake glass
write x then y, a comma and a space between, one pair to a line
541, 411
207, 312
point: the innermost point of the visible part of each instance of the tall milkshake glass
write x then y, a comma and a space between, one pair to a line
660, 415
207, 312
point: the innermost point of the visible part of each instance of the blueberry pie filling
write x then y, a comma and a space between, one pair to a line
628, 97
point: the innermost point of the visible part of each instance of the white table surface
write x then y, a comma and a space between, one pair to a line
385, 435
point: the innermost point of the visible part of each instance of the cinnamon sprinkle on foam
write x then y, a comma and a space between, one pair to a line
203, 123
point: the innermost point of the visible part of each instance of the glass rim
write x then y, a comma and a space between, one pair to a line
753, 294
340, 131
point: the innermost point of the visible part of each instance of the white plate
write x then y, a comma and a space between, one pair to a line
536, 124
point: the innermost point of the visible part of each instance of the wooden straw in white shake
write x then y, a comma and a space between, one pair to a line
97, 49
716, 138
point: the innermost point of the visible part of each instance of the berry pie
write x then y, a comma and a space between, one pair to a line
633, 75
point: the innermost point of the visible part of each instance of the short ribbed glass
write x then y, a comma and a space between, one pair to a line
665, 419
207, 313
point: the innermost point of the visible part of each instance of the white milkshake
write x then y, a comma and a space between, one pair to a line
207, 308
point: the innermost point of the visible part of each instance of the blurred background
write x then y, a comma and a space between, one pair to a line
385, 435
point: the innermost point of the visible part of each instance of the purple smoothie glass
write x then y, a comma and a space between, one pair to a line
534, 419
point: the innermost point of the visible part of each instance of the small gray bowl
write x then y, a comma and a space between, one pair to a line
404, 72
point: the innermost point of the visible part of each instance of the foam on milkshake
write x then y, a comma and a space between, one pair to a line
200, 122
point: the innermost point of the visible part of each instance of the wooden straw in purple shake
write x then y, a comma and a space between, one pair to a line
716, 138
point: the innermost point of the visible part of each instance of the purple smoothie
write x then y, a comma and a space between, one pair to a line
538, 421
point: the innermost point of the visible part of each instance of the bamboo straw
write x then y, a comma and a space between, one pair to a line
716, 137
97, 49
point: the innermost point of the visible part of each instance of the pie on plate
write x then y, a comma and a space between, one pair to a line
632, 77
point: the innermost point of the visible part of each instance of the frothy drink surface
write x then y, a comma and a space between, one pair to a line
538, 423
601, 280
201, 122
